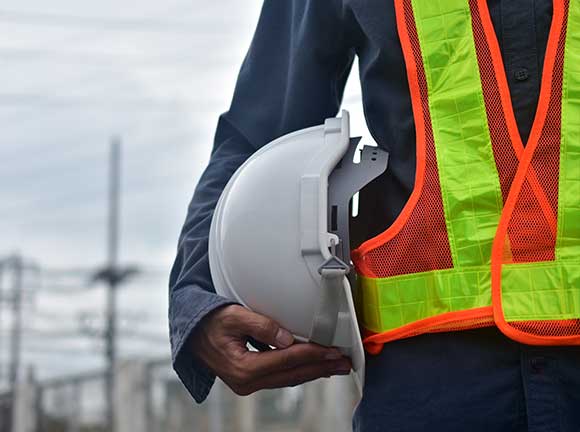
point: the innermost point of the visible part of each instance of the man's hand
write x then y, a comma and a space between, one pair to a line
220, 343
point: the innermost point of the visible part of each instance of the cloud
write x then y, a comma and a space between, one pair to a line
66, 89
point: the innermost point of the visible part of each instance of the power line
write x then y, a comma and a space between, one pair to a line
87, 272
54, 350
63, 289
99, 23
72, 102
83, 272
99, 58
55, 334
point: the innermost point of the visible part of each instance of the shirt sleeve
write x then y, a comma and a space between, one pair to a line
292, 77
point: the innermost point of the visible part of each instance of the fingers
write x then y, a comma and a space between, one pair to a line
265, 363
295, 376
220, 344
261, 328
285, 367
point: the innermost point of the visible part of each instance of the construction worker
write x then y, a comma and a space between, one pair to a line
499, 76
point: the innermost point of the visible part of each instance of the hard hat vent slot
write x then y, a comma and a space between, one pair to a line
344, 183
354, 205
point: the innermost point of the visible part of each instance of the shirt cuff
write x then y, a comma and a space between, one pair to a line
188, 307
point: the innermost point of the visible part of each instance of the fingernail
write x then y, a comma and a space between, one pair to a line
333, 355
284, 338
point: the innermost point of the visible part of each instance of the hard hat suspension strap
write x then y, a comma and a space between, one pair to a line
324, 325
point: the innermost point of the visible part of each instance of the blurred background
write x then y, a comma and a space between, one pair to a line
107, 112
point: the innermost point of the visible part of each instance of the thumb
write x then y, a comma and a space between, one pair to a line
265, 330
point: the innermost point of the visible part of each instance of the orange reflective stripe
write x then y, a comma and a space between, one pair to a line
420, 137
423, 214
517, 332
506, 102
452, 321
527, 229
447, 321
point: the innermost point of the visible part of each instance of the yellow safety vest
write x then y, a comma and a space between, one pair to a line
491, 232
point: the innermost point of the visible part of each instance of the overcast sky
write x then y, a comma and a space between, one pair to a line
73, 74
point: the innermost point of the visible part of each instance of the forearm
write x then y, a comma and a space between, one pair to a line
191, 291
292, 77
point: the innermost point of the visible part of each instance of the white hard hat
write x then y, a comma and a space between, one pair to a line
279, 242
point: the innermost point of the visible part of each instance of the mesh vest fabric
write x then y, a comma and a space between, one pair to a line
537, 295
432, 269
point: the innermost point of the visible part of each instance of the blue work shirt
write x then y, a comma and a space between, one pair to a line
293, 77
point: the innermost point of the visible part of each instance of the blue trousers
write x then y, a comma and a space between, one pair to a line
470, 381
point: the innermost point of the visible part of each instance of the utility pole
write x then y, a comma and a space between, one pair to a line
16, 333
2, 371
113, 279
113, 276
16, 337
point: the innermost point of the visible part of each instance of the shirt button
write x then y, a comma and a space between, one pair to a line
521, 74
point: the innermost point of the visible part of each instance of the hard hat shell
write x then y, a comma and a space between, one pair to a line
269, 236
